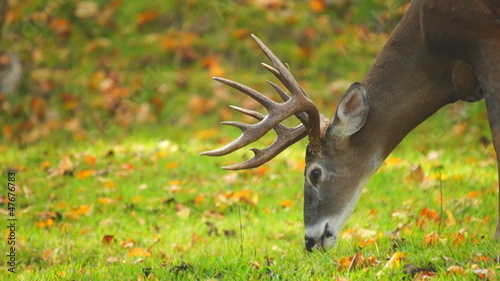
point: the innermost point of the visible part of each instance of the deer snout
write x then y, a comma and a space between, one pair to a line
323, 241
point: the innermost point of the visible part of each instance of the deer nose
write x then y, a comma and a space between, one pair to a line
310, 243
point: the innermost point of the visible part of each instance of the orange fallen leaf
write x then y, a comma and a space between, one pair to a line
89, 160
146, 17
317, 6
459, 240
60, 26
37, 105
199, 199
171, 165
473, 194
286, 203
481, 259
8, 131
128, 166
429, 214
139, 252
47, 254
84, 174
455, 270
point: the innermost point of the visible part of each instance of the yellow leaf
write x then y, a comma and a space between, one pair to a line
431, 239
183, 213
105, 200
109, 184
395, 261
392, 161
451, 218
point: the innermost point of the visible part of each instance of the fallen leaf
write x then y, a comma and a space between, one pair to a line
455, 270
459, 240
286, 203
199, 199
111, 260
451, 218
128, 244
61, 26
107, 239
105, 200
317, 6
139, 252
431, 239
47, 254
485, 274
171, 165
473, 194
89, 160
146, 17
416, 175
394, 262
84, 174
425, 275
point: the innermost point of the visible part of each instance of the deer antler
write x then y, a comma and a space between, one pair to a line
313, 123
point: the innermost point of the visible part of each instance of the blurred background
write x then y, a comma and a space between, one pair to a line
100, 70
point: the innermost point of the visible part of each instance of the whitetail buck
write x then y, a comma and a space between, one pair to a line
440, 52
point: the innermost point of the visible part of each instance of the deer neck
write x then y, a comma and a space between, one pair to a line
405, 86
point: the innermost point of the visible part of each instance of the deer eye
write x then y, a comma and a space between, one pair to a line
314, 176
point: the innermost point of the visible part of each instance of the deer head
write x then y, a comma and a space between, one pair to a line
333, 174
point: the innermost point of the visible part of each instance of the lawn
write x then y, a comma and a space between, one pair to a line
102, 143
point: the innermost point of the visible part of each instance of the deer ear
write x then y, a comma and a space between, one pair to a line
351, 113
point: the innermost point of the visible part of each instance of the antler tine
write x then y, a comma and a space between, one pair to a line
282, 72
286, 137
297, 104
302, 116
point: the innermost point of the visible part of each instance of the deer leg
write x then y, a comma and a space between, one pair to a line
490, 85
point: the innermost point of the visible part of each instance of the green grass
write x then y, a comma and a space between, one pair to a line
110, 184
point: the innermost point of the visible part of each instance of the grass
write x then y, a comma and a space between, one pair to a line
105, 132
